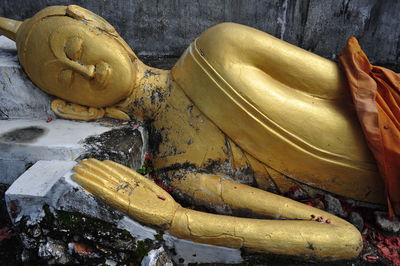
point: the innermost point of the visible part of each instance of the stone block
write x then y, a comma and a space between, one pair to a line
19, 97
189, 252
24, 142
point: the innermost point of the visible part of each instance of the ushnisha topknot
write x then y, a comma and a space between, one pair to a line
9, 27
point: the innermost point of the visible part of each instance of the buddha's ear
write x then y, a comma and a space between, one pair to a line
76, 111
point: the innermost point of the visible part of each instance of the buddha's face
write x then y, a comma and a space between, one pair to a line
78, 63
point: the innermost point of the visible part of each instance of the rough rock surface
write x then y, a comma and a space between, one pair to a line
387, 224
165, 28
334, 206
356, 219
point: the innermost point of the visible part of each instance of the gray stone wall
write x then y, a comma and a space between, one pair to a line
166, 27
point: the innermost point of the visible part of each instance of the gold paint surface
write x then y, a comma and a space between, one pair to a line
281, 104
127, 191
81, 58
299, 238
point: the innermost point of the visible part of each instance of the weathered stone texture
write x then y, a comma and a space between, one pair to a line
165, 27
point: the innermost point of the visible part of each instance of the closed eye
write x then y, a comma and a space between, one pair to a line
74, 48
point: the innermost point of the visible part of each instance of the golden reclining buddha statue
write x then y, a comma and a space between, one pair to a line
239, 107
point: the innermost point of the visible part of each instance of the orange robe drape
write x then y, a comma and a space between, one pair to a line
376, 95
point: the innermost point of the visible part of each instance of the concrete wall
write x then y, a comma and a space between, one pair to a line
166, 27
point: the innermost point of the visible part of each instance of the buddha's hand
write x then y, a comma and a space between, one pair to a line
127, 190
75, 111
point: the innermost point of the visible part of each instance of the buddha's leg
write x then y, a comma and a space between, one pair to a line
228, 43
306, 239
307, 227
220, 192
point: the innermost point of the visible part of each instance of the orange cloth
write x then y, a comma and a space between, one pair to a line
376, 95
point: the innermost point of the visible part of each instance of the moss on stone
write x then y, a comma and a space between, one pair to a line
142, 249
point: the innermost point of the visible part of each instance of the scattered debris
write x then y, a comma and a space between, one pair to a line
157, 257
370, 258
334, 206
356, 219
84, 250
297, 193
54, 252
160, 197
386, 223
6, 233
387, 246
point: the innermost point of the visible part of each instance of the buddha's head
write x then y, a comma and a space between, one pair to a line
73, 54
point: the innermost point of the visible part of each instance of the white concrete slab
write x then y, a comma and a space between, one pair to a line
8, 53
58, 139
11, 169
38, 180
24, 142
32, 190
19, 97
135, 228
49, 183
155, 258
187, 251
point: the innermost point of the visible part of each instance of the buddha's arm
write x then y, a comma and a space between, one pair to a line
146, 202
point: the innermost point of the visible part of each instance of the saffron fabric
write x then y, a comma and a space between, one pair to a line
376, 96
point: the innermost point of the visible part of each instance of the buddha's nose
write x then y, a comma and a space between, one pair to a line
87, 71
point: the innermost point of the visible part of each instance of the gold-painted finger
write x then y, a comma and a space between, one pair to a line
125, 173
112, 170
99, 164
98, 168
133, 175
87, 178
84, 172
115, 185
104, 192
